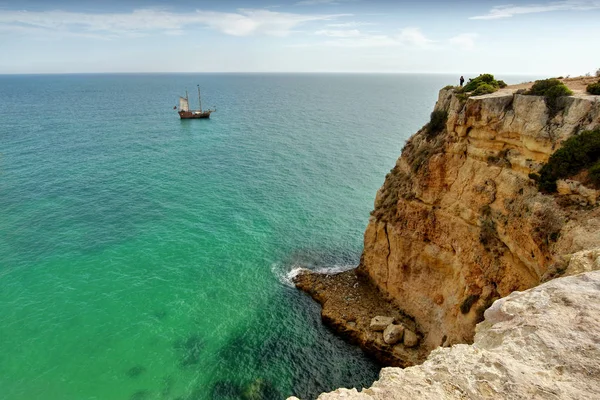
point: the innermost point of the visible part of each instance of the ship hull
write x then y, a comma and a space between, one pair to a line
194, 114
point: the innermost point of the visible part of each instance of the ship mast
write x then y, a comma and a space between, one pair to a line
199, 101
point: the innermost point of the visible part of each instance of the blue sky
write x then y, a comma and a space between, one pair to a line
539, 37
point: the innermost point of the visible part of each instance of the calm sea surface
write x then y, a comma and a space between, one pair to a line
144, 257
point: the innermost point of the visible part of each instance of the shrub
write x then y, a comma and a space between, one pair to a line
484, 88
437, 122
594, 88
481, 79
551, 89
483, 84
594, 174
540, 87
578, 152
448, 87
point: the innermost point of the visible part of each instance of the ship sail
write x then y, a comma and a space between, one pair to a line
183, 104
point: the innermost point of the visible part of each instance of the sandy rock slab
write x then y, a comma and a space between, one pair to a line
355, 309
543, 343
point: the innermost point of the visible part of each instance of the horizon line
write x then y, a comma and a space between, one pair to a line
270, 72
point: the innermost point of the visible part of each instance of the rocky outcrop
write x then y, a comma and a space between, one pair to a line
459, 223
542, 343
353, 306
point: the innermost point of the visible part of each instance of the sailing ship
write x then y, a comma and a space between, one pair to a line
184, 108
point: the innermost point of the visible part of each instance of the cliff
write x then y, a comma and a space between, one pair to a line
459, 223
537, 344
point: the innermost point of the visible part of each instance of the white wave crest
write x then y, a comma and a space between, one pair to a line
286, 274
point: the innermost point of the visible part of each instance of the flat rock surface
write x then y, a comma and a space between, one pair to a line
543, 343
349, 302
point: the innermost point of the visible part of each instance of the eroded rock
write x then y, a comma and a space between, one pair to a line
410, 338
393, 333
379, 323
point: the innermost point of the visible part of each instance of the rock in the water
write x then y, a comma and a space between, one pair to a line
538, 344
410, 338
393, 333
379, 322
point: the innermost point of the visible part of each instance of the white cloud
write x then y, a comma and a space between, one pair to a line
351, 24
507, 11
244, 22
410, 37
413, 36
339, 33
318, 2
465, 41
365, 40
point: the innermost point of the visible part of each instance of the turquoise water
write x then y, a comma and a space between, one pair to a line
145, 257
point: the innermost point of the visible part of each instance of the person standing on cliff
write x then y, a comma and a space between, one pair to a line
462, 80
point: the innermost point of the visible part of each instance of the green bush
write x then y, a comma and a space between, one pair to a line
552, 89
593, 88
540, 87
483, 84
437, 122
448, 87
578, 152
484, 88
480, 80
594, 174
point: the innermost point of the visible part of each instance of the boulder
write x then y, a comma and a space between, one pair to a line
410, 338
393, 334
379, 322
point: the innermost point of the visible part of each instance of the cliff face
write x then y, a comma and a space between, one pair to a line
458, 222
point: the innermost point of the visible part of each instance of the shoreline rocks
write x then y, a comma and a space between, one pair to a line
538, 344
356, 310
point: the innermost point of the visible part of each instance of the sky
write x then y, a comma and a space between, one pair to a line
425, 36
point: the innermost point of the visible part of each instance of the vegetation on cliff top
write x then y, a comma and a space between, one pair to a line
594, 88
577, 153
552, 89
483, 84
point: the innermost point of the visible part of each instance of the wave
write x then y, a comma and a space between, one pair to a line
286, 274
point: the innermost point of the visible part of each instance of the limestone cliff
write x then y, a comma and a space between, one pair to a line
537, 344
458, 223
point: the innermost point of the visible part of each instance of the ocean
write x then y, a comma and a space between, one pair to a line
147, 257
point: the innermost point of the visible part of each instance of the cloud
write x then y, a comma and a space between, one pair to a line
507, 11
410, 37
351, 24
465, 41
244, 22
413, 36
319, 2
339, 33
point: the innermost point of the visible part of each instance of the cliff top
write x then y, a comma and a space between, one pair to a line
577, 85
